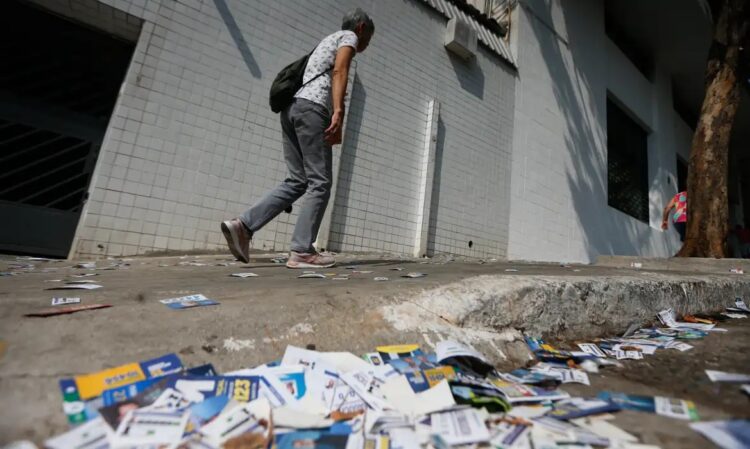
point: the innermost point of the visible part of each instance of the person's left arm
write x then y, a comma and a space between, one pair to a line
665, 216
339, 79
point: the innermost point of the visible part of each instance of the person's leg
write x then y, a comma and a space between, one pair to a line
290, 190
680, 228
317, 159
239, 231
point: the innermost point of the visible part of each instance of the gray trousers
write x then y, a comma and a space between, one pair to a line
309, 160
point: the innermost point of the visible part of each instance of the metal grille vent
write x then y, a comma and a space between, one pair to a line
42, 168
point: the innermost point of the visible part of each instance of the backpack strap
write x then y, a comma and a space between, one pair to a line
316, 77
319, 74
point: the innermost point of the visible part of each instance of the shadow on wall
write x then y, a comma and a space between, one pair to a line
604, 230
347, 161
435, 199
239, 40
469, 75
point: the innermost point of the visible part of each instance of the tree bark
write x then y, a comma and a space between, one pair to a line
708, 203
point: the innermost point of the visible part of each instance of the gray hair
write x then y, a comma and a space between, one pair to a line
354, 18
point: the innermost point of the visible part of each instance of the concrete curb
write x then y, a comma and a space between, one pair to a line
496, 309
684, 264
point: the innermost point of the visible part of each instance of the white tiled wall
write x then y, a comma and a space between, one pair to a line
192, 140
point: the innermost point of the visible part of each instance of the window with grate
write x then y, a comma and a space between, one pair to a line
627, 164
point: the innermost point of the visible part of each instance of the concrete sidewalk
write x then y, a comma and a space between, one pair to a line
487, 304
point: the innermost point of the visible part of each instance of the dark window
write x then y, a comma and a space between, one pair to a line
682, 169
627, 43
627, 164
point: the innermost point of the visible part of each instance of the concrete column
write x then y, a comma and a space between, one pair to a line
324, 233
427, 176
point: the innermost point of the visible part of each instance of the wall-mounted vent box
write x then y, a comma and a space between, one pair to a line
460, 38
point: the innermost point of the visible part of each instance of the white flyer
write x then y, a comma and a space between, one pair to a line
143, 427
643, 349
237, 419
674, 408
506, 434
593, 349
740, 304
633, 355
721, 376
575, 376
170, 399
746, 388
666, 317
678, 345
463, 426
244, 275
399, 394
63, 301
93, 434
367, 387
725, 434
448, 348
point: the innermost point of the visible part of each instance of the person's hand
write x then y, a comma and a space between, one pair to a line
333, 132
664, 225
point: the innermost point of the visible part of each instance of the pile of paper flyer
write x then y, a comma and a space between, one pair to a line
396, 397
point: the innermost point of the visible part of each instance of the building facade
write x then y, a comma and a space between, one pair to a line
502, 155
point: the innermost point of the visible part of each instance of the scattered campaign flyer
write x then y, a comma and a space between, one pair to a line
593, 349
575, 376
237, 419
667, 318
390, 352
678, 345
722, 376
579, 407
507, 432
464, 426
312, 439
93, 434
144, 428
82, 394
448, 348
740, 304
63, 301
119, 394
734, 434
187, 302
632, 355
244, 275
673, 408
578, 435
493, 402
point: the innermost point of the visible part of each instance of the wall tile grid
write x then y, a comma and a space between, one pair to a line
192, 140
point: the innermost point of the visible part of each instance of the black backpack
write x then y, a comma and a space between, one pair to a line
288, 82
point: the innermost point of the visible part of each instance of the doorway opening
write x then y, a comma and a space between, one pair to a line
59, 83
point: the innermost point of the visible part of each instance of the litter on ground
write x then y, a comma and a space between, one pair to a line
397, 396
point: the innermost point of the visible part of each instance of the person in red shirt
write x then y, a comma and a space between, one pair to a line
679, 217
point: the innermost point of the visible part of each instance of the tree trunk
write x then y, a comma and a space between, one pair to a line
708, 203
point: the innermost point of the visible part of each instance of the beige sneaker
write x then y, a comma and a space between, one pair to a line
238, 239
310, 260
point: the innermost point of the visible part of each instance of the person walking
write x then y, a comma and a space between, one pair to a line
310, 125
679, 217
